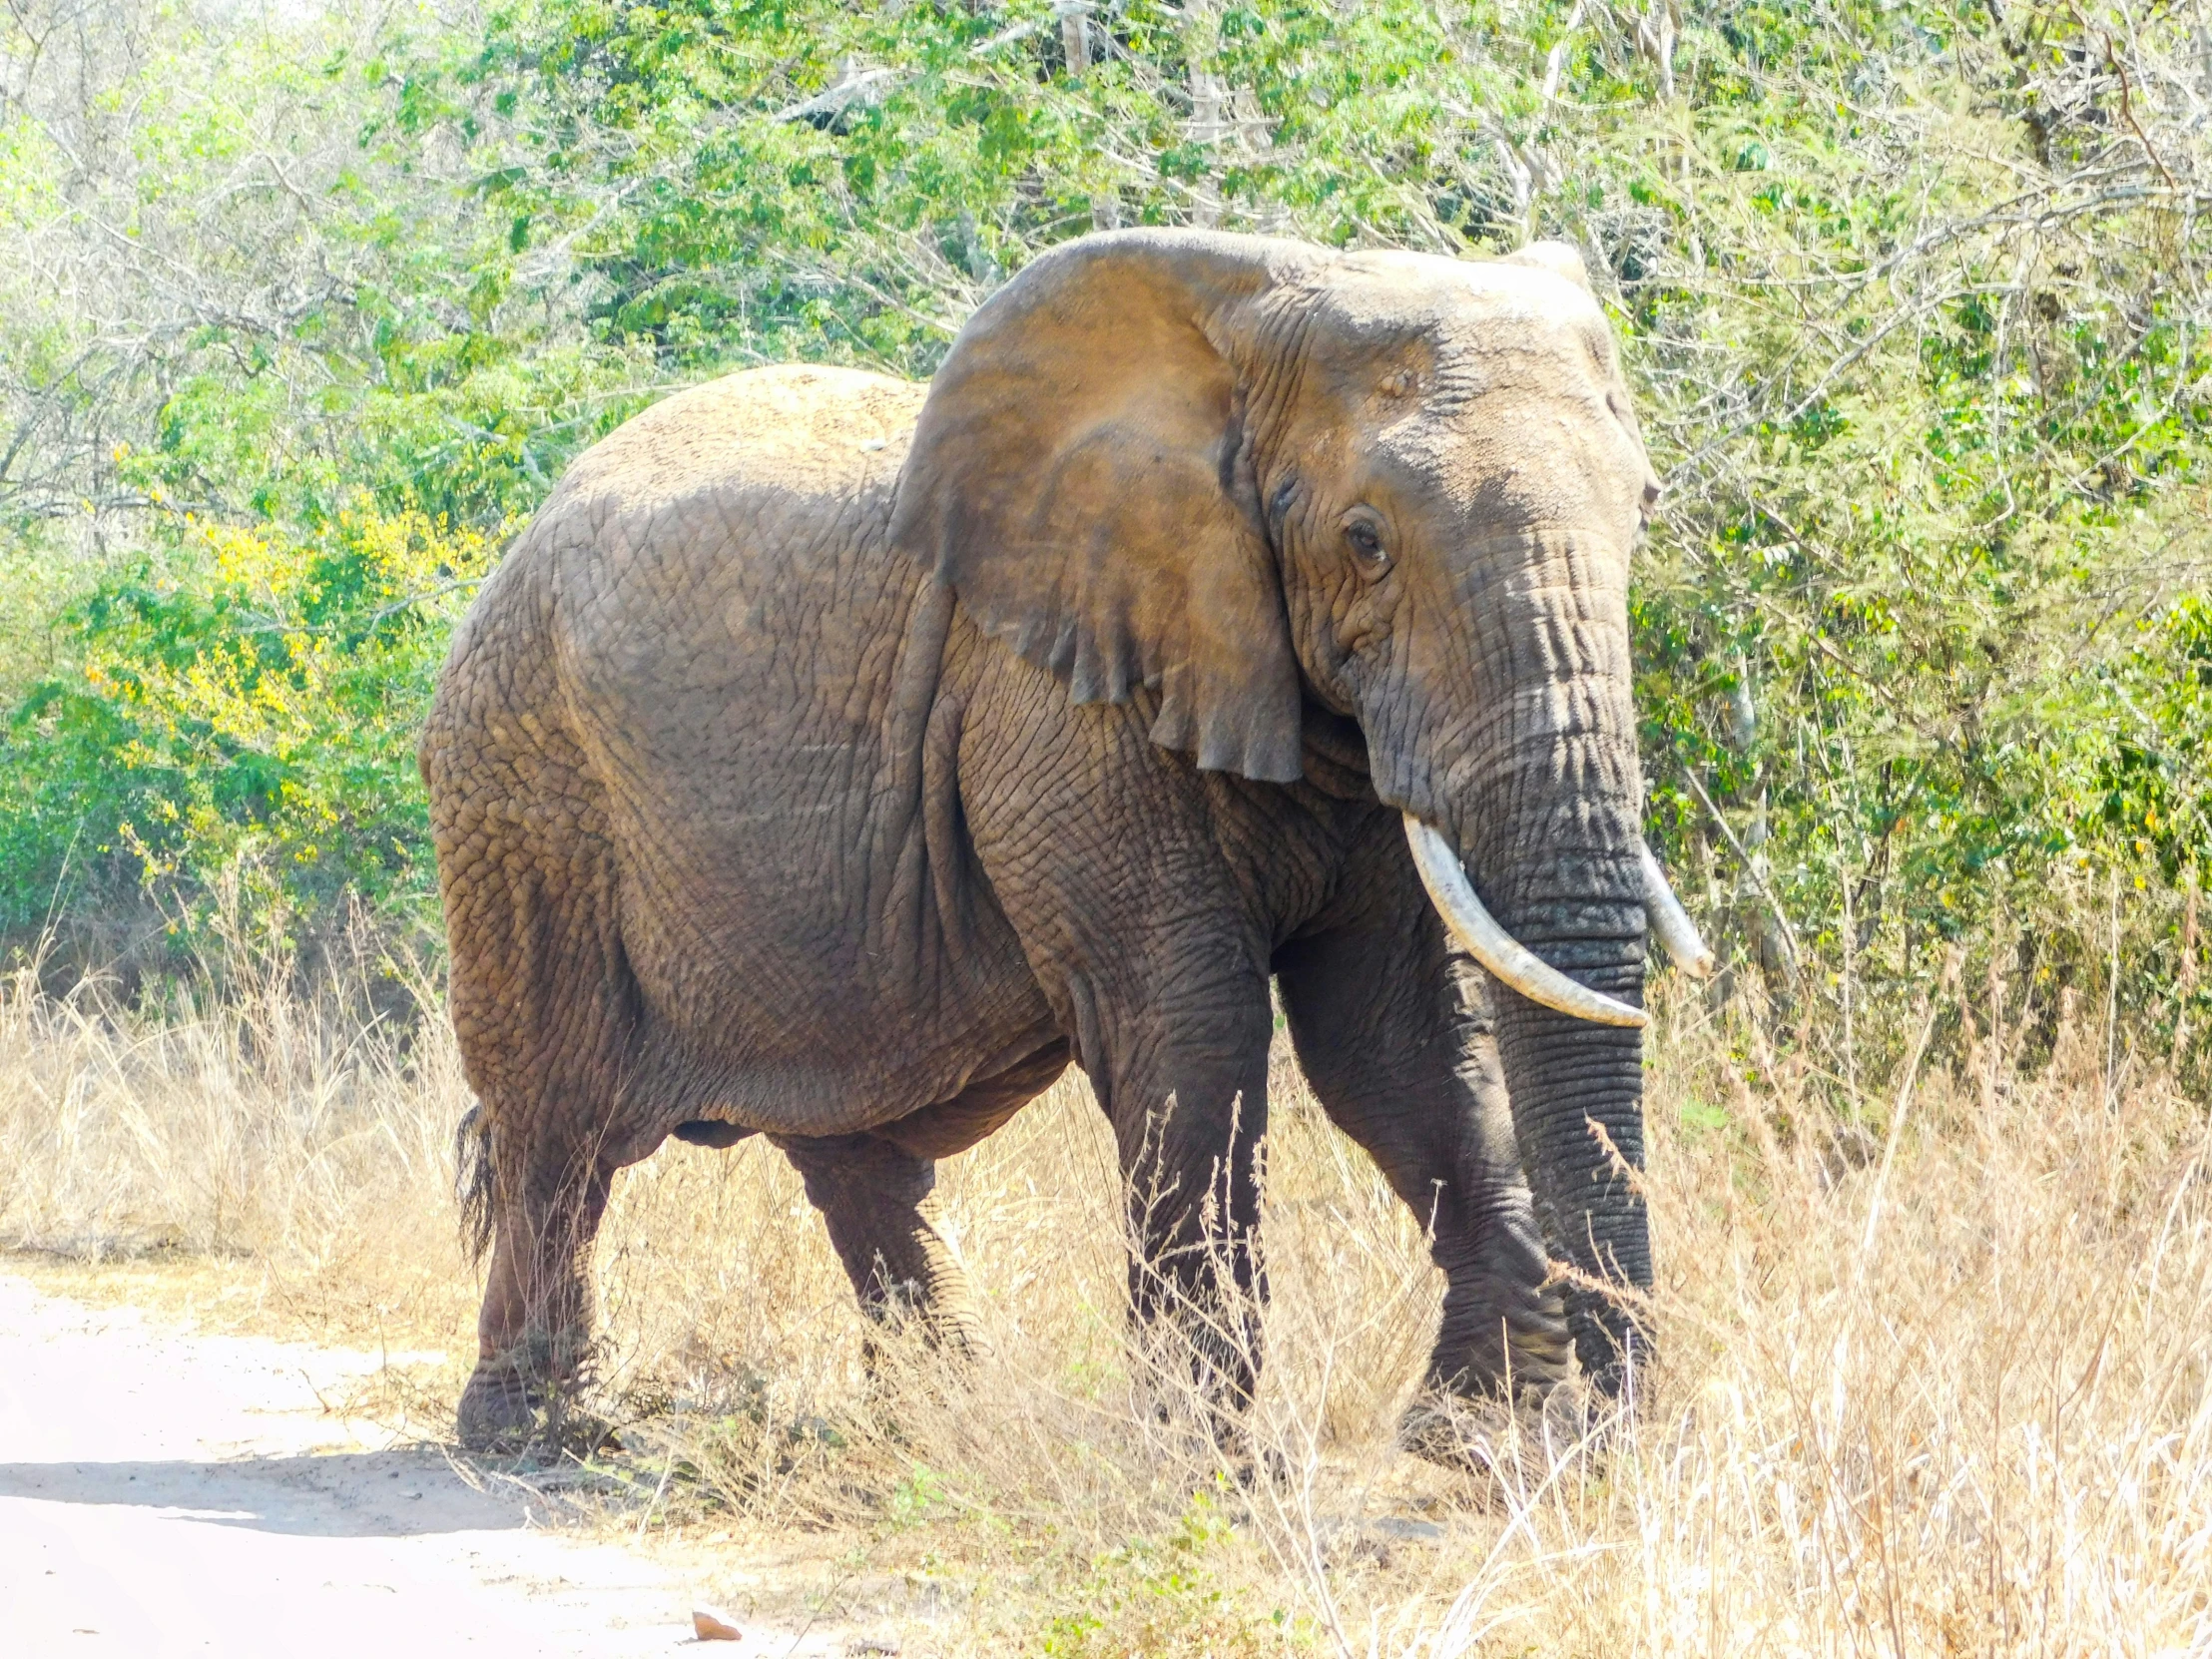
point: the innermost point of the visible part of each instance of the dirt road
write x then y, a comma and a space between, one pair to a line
164, 1492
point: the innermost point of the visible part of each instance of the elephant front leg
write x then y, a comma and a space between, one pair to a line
1393, 1036
1504, 1327
877, 1202
1184, 1084
534, 1329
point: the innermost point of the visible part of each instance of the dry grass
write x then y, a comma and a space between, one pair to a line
1938, 1383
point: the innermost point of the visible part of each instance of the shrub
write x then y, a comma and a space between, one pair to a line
244, 691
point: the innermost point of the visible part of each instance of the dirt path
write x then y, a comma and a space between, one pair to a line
165, 1493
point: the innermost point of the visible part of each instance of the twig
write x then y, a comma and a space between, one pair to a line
1896, 1132
2127, 102
853, 85
1751, 866
1557, 59
2112, 992
269, 625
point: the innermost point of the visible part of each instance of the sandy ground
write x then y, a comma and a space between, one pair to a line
169, 1492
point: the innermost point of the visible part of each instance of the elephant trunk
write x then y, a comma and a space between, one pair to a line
1578, 1114
1569, 887
1514, 965
1510, 741
1549, 801
1577, 1090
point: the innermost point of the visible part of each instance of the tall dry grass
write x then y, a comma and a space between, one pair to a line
1937, 1368
235, 1119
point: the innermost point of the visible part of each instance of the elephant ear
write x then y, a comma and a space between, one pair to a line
1080, 477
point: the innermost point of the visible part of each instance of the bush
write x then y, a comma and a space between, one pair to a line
1911, 295
244, 694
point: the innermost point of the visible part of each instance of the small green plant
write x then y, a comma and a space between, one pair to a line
1705, 1115
912, 1500
1167, 1597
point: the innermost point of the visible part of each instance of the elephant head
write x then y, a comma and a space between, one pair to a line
1229, 478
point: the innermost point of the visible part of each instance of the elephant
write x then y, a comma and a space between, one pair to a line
837, 758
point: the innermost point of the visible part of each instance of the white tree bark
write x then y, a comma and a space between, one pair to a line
1208, 97
1075, 36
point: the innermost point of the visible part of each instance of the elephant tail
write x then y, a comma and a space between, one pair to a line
472, 1180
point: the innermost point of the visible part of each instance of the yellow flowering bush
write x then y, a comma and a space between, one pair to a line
253, 689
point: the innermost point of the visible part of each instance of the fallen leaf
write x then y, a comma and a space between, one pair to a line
713, 1627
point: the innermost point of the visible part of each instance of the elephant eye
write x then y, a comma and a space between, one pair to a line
1366, 542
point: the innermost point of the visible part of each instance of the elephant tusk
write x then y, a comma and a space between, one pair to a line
1672, 923
1510, 962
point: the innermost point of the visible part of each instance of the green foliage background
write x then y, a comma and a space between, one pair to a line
301, 313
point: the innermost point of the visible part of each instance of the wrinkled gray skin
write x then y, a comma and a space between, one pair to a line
836, 759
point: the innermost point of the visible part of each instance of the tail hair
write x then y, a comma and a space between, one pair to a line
472, 1180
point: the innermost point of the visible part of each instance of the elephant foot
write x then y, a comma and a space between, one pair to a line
1515, 1445
1261, 1469
524, 1399
498, 1411
946, 1328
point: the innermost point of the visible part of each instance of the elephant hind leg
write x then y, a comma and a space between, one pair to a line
544, 1165
544, 1008
534, 1330
878, 1202
877, 1192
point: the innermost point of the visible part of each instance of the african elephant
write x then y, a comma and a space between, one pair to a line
836, 759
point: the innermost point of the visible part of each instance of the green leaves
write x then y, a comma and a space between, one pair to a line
242, 693
1910, 295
